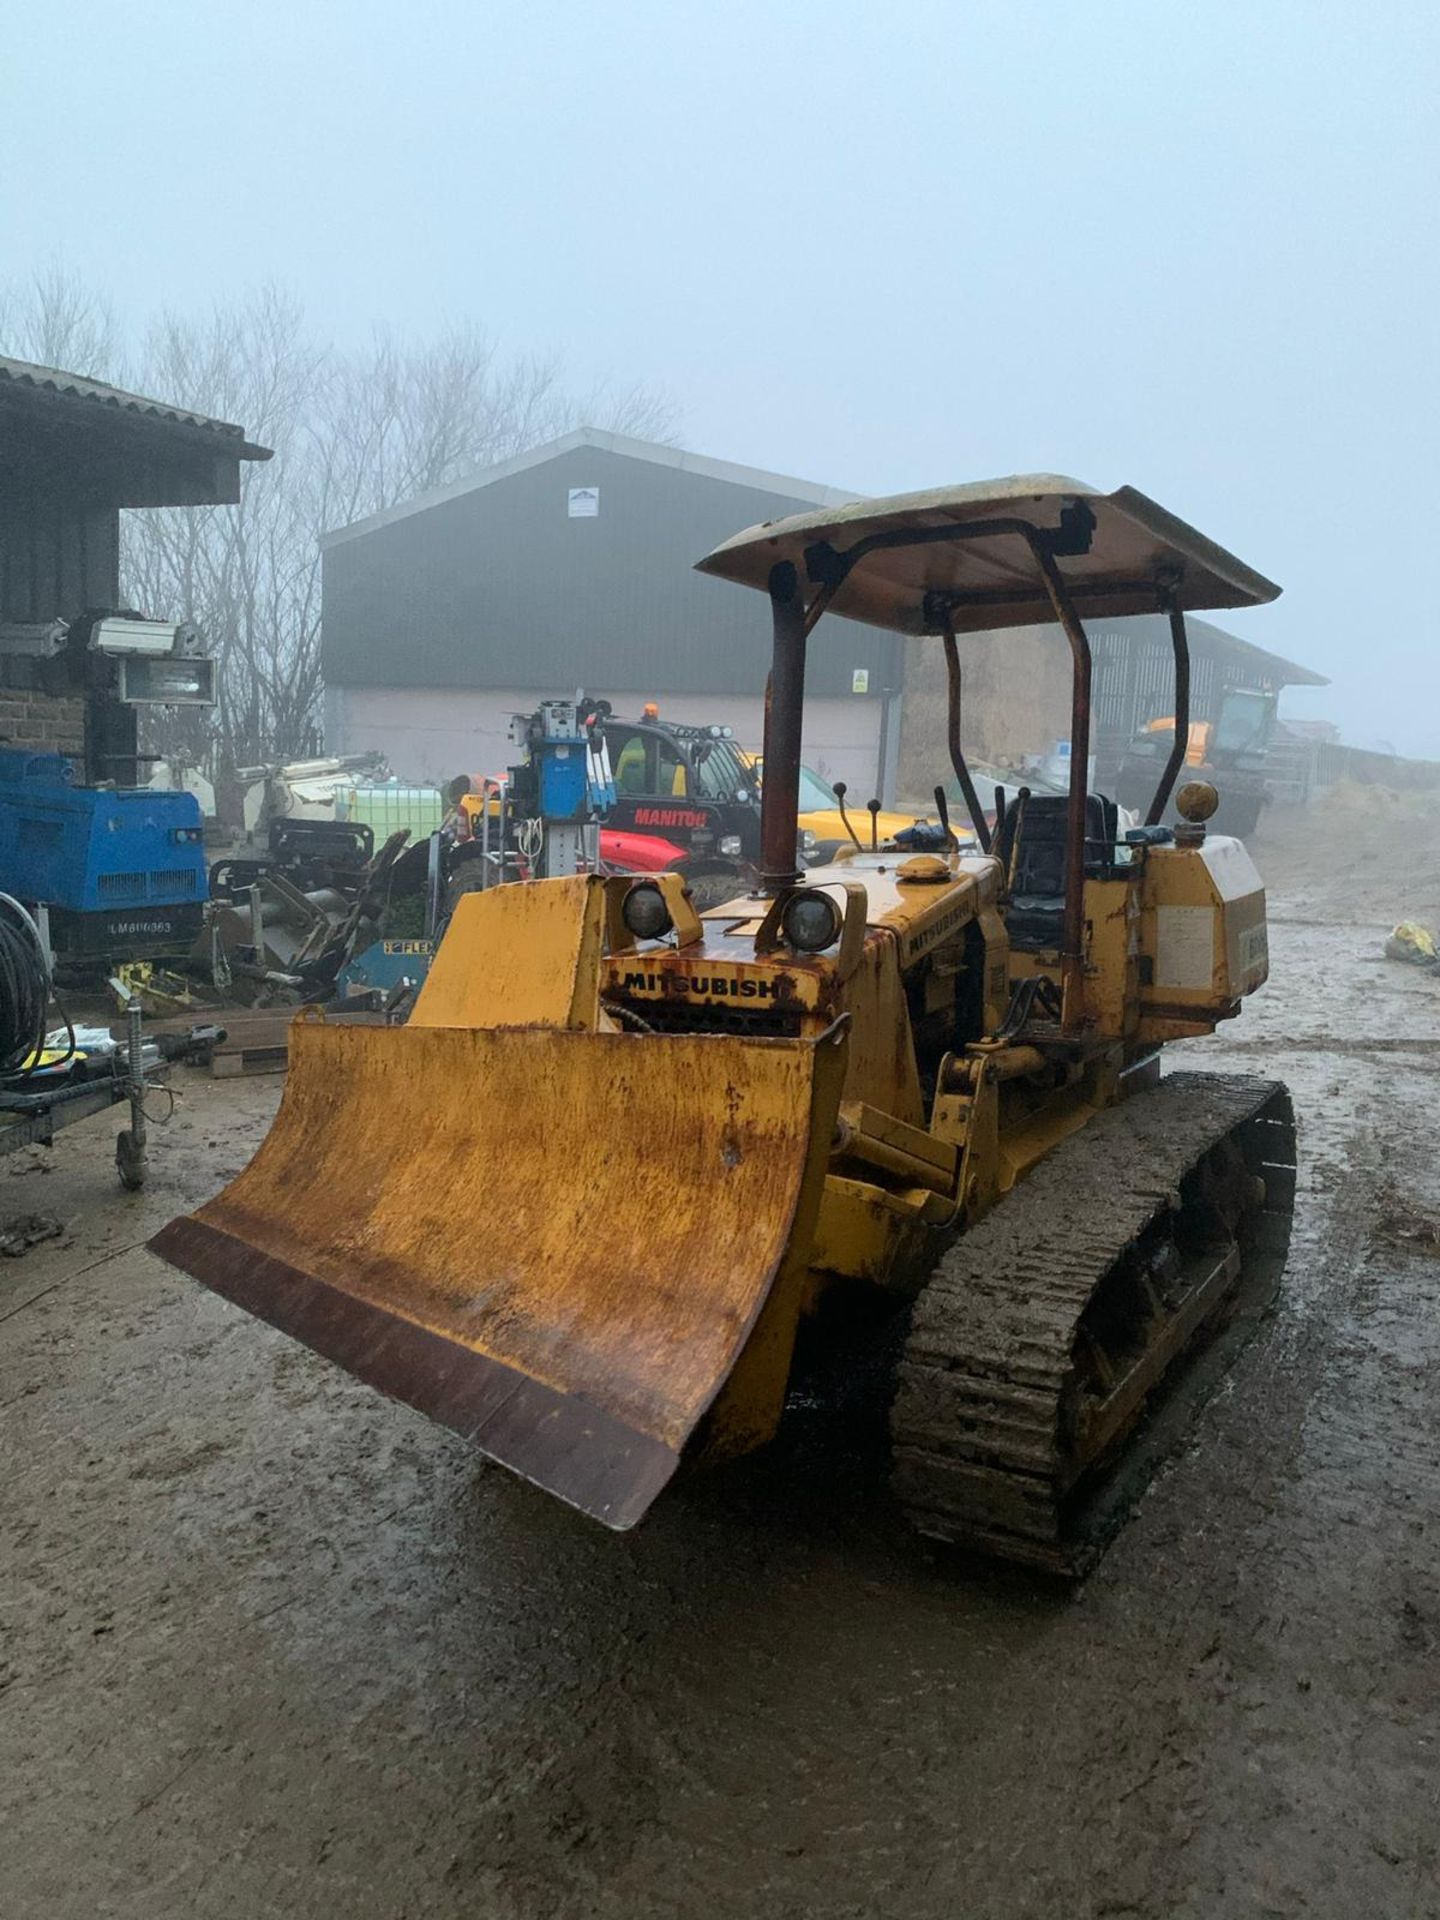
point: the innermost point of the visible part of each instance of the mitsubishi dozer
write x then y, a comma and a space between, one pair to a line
581, 1205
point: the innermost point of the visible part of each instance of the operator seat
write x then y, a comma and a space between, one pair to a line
630, 775
1037, 904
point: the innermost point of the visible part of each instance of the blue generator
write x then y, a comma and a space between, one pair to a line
121, 870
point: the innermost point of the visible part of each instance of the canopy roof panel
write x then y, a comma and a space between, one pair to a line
1131, 548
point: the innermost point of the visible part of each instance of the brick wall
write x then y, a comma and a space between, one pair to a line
42, 722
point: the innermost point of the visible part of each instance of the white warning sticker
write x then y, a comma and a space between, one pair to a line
1185, 949
1254, 954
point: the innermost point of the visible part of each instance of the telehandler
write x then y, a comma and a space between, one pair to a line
579, 1206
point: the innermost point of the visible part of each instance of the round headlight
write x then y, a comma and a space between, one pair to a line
645, 912
811, 922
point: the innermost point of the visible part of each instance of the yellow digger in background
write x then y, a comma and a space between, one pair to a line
579, 1206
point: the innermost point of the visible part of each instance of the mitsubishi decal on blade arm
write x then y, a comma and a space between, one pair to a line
718, 986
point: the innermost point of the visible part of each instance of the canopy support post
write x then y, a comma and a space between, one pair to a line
784, 714
957, 754
1179, 641
1072, 939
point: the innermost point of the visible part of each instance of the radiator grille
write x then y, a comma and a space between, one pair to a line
165, 882
679, 1016
122, 886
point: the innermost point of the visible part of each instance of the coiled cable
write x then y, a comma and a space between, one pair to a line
25, 989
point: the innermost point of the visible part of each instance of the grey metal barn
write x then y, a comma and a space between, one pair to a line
573, 565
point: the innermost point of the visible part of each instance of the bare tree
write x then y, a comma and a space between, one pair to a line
55, 320
247, 575
400, 420
352, 433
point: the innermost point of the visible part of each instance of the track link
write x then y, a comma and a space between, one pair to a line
1014, 1429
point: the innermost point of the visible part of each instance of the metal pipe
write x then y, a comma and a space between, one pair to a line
1180, 643
784, 716
135, 1085
1072, 939
850, 1142
432, 886
957, 756
484, 834
1014, 1063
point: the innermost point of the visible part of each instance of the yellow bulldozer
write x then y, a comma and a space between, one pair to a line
580, 1206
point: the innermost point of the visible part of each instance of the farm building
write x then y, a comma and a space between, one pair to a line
73, 452
573, 566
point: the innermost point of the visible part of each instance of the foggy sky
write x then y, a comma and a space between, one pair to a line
1191, 248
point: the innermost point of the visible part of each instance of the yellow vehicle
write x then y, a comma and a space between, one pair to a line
829, 819
579, 1206
1231, 751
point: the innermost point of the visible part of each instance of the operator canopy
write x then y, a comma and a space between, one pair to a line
1118, 552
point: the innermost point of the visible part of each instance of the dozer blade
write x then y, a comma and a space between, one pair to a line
556, 1242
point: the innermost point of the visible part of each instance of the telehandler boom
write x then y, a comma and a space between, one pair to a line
579, 1206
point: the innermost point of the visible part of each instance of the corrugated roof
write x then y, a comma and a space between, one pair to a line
622, 443
1288, 673
75, 388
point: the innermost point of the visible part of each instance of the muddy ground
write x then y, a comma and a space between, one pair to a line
272, 1646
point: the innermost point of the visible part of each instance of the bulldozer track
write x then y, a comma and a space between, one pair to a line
989, 1424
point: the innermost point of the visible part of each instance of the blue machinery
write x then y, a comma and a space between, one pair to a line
120, 871
114, 870
547, 814
564, 788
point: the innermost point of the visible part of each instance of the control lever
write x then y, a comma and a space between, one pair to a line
873, 807
1012, 851
840, 792
942, 807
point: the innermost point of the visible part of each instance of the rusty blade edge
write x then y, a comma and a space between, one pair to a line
575, 1450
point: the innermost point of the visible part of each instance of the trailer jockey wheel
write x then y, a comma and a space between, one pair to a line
130, 1160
